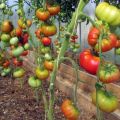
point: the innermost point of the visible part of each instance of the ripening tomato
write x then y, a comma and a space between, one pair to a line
18, 31
17, 62
46, 41
109, 73
25, 52
53, 9
117, 44
108, 13
6, 63
29, 22
108, 42
69, 110
49, 65
38, 33
21, 23
49, 30
106, 101
42, 14
88, 61
42, 74
18, 73
6, 26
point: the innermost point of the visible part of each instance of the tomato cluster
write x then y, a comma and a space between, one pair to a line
108, 40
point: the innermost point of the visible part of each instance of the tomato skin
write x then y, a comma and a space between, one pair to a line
18, 73
69, 110
25, 52
29, 22
88, 61
106, 102
117, 51
109, 73
6, 26
42, 14
6, 63
42, 74
46, 41
54, 9
93, 36
49, 65
38, 33
21, 23
18, 31
117, 44
108, 42
34, 82
17, 62
49, 30
108, 13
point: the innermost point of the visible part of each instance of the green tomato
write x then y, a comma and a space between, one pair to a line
18, 73
108, 13
45, 50
14, 41
48, 56
7, 70
2, 5
33, 82
17, 51
117, 51
3, 74
5, 37
106, 101
27, 46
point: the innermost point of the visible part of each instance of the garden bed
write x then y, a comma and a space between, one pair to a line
20, 104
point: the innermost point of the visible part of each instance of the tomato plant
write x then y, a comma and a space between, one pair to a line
109, 13
106, 101
108, 73
69, 110
88, 61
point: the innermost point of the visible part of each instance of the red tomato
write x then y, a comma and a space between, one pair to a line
18, 31
108, 42
54, 9
25, 38
46, 41
88, 61
93, 36
42, 14
49, 30
69, 110
6, 63
117, 44
17, 62
38, 33
25, 52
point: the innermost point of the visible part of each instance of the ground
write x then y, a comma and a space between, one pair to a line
18, 103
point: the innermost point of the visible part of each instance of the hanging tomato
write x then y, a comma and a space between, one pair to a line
88, 61
108, 42
69, 110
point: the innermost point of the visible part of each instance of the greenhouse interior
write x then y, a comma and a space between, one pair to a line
59, 59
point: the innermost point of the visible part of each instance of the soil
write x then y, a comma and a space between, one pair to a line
18, 103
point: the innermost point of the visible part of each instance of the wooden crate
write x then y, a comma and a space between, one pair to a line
65, 82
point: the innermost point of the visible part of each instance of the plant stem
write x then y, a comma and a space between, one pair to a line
36, 95
64, 47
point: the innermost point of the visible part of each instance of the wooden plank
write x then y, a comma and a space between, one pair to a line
67, 86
